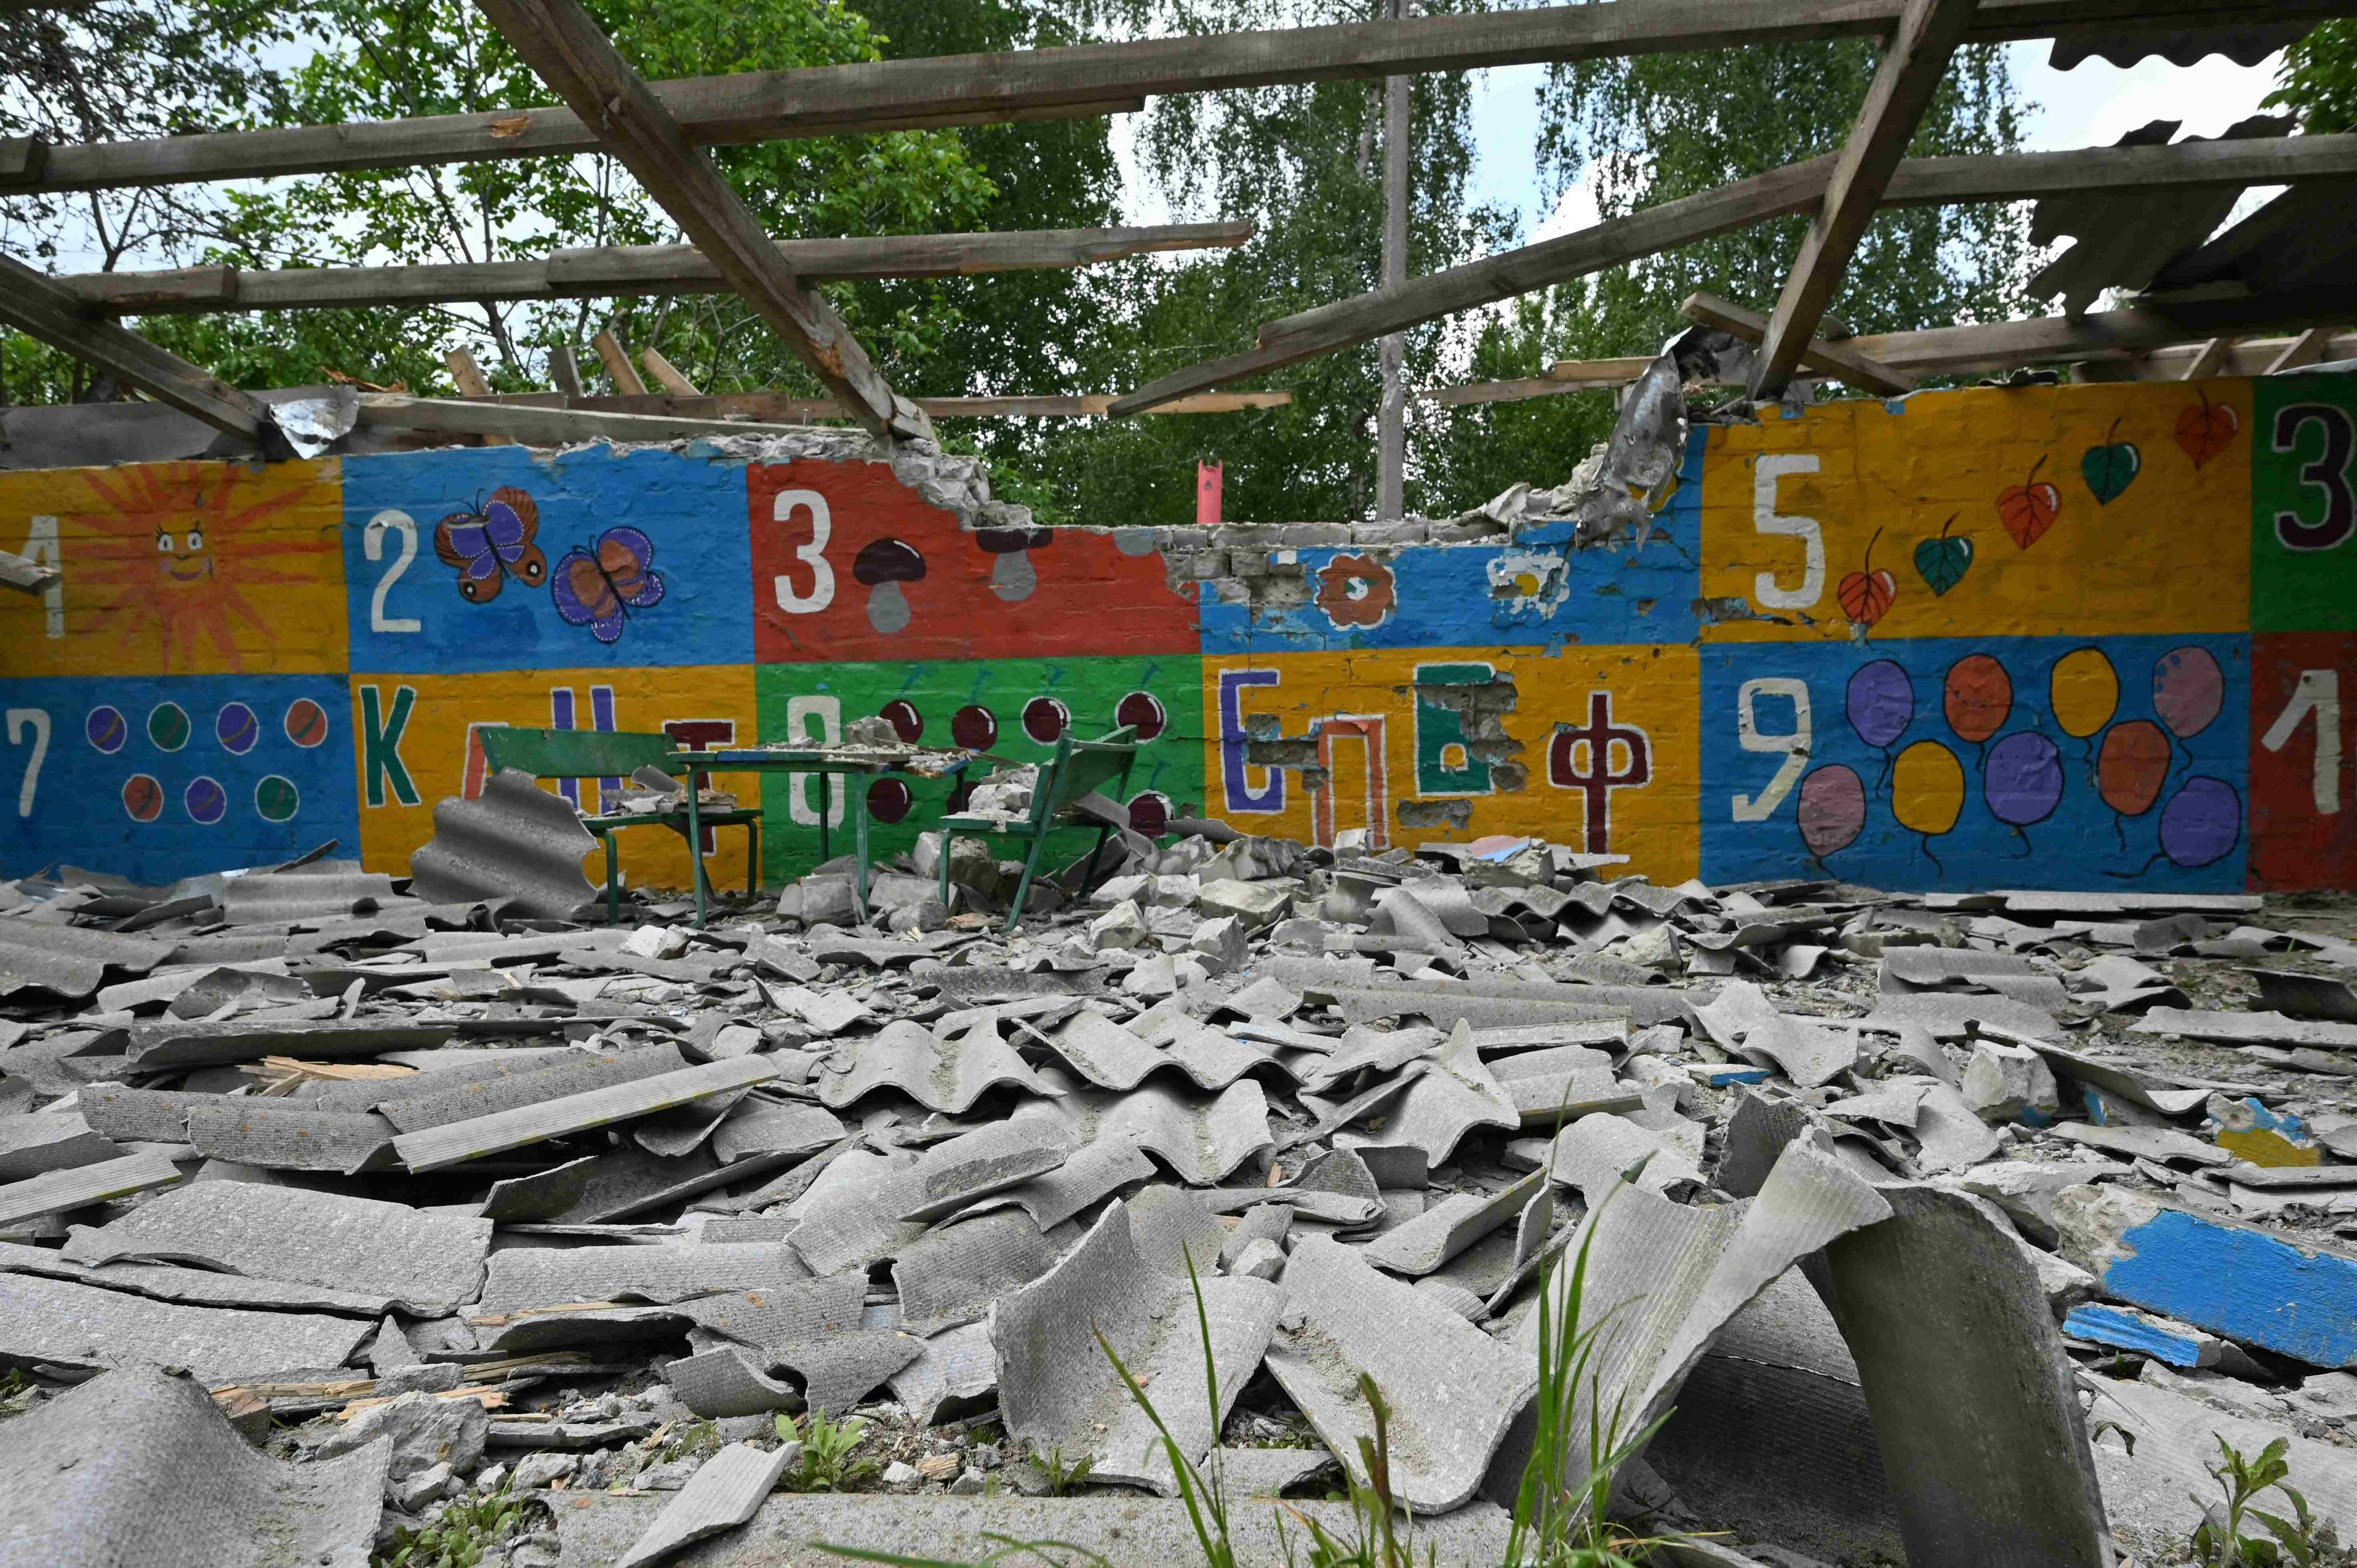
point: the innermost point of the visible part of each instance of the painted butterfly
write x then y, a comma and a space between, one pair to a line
493, 543
600, 588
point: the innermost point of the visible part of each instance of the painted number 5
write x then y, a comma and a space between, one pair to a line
1794, 743
372, 543
791, 599
36, 720
1767, 519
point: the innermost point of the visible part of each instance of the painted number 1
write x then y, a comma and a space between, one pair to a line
1794, 743
2319, 693
790, 599
36, 720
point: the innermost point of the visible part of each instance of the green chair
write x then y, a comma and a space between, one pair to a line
1077, 768
612, 753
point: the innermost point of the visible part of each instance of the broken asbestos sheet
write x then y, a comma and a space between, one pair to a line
1057, 1389
941, 1074
427, 1263
81, 1326
1453, 1390
137, 1469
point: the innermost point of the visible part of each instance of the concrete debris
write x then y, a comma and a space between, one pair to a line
1897, 1199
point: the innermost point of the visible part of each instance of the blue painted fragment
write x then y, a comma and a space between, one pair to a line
2243, 1283
2174, 1343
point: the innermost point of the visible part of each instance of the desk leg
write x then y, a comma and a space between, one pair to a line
855, 786
695, 846
826, 808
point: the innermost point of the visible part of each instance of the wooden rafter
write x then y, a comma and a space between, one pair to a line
1795, 188
603, 272
39, 307
1913, 62
2128, 334
565, 46
1093, 79
1826, 357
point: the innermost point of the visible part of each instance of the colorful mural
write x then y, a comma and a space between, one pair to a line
2087, 637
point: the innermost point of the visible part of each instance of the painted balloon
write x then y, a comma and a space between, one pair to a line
1927, 788
2132, 765
2188, 690
1977, 697
1833, 809
2201, 821
2023, 778
2085, 690
1881, 702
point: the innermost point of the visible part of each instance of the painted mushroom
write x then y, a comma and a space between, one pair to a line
884, 565
1011, 576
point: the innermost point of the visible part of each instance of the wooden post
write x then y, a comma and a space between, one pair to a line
2304, 349
617, 365
565, 370
471, 384
665, 375
1391, 421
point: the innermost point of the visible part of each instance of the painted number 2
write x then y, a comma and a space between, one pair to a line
372, 543
2319, 693
2330, 473
1794, 743
791, 599
37, 721
1767, 519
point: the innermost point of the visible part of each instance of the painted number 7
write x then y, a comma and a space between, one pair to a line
1793, 745
37, 721
2319, 693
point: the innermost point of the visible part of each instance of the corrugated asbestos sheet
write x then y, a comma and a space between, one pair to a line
2243, 46
515, 841
2305, 238
2123, 240
69, 959
303, 896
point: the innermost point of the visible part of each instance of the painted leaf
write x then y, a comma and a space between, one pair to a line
1942, 563
2203, 432
1867, 597
2110, 469
2028, 511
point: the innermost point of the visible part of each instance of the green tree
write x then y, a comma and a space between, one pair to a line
1655, 128
2319, 79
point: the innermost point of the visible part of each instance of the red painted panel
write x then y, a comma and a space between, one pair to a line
851, 564
2303, 804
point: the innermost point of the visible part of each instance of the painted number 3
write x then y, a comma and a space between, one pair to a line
790, 599
2329, 472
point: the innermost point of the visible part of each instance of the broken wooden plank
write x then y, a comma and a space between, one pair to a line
42, 307
565, 45
458, 1141
619, 369
1914, 60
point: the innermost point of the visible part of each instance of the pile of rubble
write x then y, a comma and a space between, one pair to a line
1950, 1227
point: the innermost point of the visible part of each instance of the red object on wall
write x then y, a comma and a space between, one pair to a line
2303, 804
851, 564
1207, 494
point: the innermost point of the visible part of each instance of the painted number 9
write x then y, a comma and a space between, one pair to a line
2330, 473
791, 599
1793, 745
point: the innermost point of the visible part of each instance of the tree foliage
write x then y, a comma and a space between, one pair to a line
2319, 79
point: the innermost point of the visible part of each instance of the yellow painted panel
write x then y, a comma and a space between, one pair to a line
2082, 511
414, 750
1599, 750
178, 569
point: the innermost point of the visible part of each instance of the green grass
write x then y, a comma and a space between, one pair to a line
2219, 1542
460, 1537
828, 1463
1554, 1526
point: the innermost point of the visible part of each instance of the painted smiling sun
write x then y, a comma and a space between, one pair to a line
180, 542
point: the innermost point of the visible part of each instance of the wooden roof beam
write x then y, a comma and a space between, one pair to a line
1835, 359
1093, 79
42, 307
2127, 334
1794, 188
1913, 62
565, 45
613, 271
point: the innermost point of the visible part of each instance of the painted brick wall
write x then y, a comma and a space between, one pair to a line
2084, 637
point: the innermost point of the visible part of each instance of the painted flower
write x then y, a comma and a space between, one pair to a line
1356, 590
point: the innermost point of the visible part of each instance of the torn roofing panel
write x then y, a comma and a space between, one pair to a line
69, 961
137, 1469
947, 1075
277, 1135
515, 841
59, 1191
82, 1326
524, 1277
461, 1141
261, 897
428, 1262
194, 1287
726, 1490
436, 1100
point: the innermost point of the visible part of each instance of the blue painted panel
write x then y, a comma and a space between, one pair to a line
1826, 760
1528, 594
408, 613
175, 775
2132, 1331
2243, 1283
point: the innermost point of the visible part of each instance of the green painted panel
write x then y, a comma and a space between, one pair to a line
2303, 504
